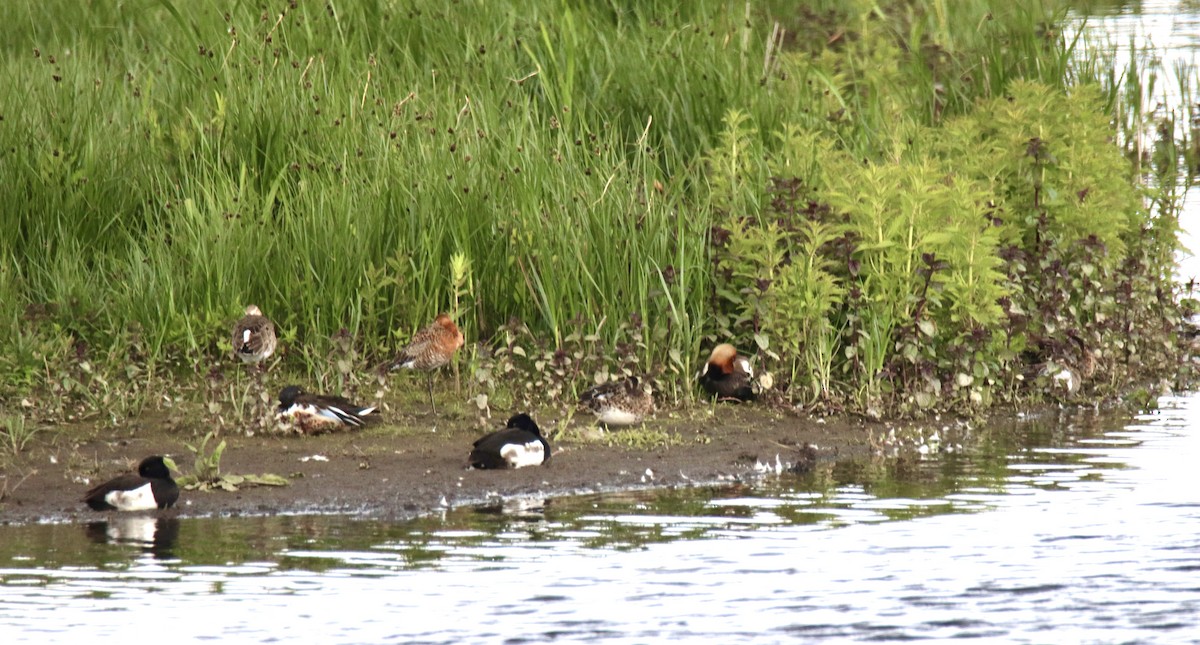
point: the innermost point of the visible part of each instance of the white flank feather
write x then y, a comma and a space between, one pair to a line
1067, 378
337, 414
331, 413
616, 417
519, 455
138, 499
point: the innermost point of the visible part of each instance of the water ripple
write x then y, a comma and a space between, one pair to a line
1089, 535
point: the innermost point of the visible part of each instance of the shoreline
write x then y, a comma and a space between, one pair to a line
391, 475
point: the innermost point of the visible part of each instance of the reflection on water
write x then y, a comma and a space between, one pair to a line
1076, 528
1172, 27
1065, 529
154, 535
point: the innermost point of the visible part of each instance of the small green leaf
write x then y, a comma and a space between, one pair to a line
267, 479
216, 454
924, 399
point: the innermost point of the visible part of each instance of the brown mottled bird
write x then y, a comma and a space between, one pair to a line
620, 403
430, 348
727, 376
253, 336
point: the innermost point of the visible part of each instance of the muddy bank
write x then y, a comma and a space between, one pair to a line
395, 472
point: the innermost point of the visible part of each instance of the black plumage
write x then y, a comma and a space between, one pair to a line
151, 487
519, 444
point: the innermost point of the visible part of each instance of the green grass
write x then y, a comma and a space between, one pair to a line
15, 433
330, 175
164, 164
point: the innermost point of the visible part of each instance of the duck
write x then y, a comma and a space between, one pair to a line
1063, 363
318, 413
254, 336
430, 348
150, 488
623, 402
519, 444
727, 376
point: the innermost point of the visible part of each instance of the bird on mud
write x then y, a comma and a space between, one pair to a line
254, 336
1061, 363
623, 402
311, 414
518, 445
429, 349
727, 376
150, 488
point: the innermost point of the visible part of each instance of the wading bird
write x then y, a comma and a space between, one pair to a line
429, 349
253, 336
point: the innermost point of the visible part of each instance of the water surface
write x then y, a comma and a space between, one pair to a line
1069, 528
1073, 528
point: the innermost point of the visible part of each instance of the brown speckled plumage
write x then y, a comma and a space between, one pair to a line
623, 402
253, 336
430, 348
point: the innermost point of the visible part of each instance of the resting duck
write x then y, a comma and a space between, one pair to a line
151, 488
316, 413
430, 348
518, 445
622, 402
727, 376
253, 336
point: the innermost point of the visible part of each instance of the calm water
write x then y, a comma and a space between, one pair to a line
1064, 529
1068, 529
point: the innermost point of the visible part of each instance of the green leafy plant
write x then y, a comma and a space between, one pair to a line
206, 464
696, 166
206, 470
971, 258
16, 433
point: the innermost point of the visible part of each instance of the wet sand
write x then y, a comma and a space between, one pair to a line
398, 471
